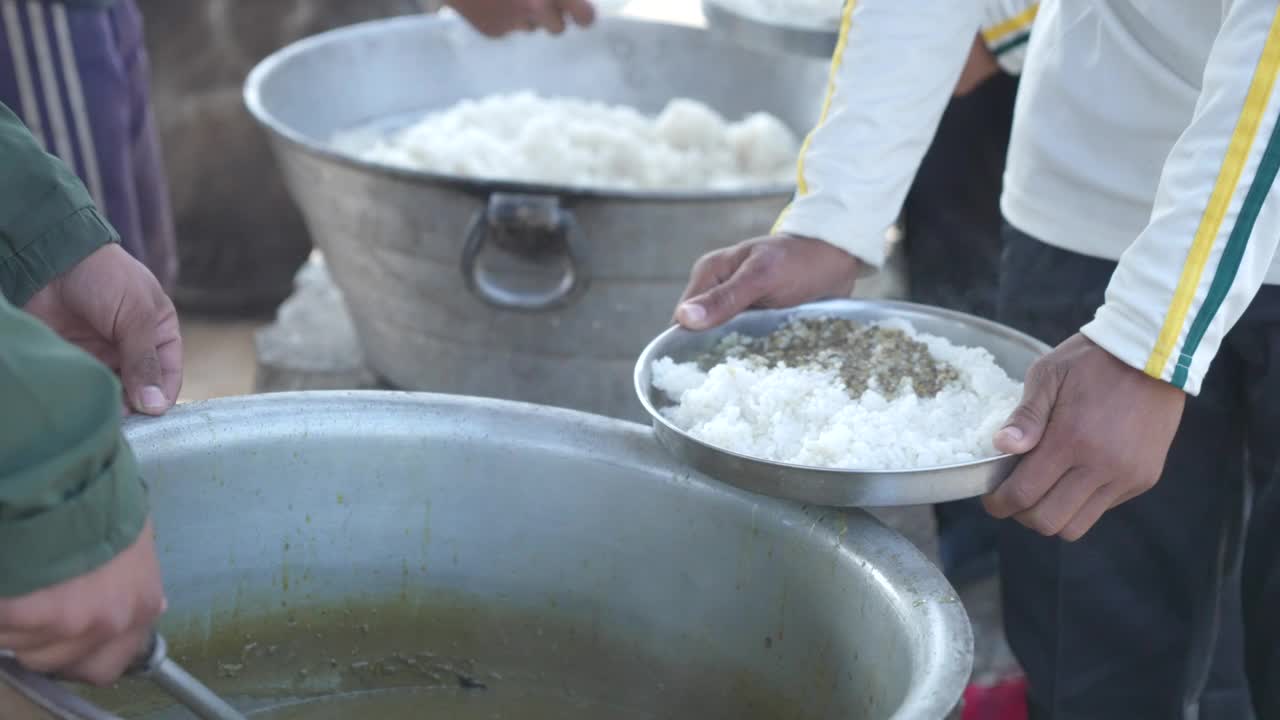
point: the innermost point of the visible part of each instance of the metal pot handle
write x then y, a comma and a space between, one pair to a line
534, 228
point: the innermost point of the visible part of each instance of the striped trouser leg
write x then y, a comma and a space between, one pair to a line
77, 78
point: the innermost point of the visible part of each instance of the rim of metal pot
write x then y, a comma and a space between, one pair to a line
647, 359
775, 23
258, 108
760, 33
937, 602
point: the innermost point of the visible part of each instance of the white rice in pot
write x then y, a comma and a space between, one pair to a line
580, 143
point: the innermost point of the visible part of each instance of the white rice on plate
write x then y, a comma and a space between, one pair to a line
805, 416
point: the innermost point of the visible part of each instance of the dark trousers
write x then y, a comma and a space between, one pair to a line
951, 237
1163, 610
951, 218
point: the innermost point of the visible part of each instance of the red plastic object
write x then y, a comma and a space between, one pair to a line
1005, 700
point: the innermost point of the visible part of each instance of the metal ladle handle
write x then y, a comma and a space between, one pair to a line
182, 685
154, 665
47, 696
534, 228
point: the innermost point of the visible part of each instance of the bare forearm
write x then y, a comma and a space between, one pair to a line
980, 67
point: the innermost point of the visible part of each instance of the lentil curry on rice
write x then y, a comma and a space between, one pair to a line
858, 353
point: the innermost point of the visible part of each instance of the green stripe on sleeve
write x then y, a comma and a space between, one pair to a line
1012, 43
1229, 265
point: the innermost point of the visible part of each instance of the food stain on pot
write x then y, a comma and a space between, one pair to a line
284, 568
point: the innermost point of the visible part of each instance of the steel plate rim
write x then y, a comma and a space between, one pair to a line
667, 432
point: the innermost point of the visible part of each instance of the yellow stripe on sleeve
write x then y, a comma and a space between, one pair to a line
1242, 139
837, 58
996, 33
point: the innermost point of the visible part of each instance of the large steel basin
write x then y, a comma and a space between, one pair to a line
311, 540
511, 324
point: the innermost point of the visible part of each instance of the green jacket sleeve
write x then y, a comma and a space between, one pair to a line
70, 495
47, 220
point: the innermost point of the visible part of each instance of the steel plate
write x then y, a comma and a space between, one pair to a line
1013, 351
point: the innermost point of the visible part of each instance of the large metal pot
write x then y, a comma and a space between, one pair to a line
315, 543
534, 293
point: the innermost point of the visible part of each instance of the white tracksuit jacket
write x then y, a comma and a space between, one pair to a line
1144, 132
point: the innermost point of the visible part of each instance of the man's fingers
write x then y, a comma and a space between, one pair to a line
1131, 491
582, 11
169, 349
170, 355
1024, 428
29, 624
549, 17
107, 663
54, 656
487, 22
722, 302
712, 269
1088, 516
24, 640
709, 273
140, 368
89, 627
1061, 503
1031, 480
49, 659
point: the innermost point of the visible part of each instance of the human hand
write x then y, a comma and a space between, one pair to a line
776, 271
980, 67
499, 17
93, 627
112, 307
1093, 433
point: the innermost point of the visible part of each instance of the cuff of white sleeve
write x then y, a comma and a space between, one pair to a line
1012, 61
808, 218
1131, 341
1010, 51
